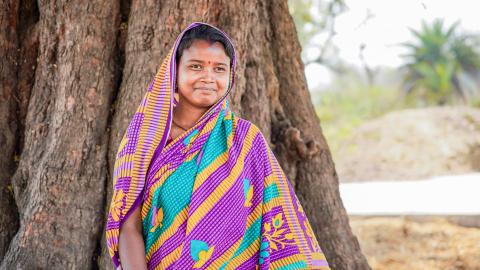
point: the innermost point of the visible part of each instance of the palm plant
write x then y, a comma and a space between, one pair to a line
441, 63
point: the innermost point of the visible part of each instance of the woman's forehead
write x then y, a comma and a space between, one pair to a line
203, 50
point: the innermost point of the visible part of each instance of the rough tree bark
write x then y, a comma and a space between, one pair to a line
8, 130
95, 60
60, 180
18, 57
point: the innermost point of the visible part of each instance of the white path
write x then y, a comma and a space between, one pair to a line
446, 195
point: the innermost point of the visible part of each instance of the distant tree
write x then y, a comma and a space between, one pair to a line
315, 25
442, 63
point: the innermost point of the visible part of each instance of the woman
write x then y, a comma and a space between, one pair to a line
196, 187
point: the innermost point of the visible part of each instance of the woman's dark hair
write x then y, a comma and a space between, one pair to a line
207, 33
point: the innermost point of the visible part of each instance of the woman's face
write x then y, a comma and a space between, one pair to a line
203, 74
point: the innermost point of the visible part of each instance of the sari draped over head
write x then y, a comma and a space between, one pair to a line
213, 198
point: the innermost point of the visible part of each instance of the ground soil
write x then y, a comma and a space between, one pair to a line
412, 144
425, 243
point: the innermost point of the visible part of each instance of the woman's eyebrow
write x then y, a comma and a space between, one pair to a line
203, 62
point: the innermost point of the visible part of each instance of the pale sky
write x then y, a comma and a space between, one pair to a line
387, 28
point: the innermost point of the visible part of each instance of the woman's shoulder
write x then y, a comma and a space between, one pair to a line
247, 124
254, 130
260, 144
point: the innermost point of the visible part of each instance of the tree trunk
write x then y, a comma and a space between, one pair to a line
8, 130
95, 61
60, 182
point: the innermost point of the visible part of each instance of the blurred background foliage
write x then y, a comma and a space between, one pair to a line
442, 67
396, 85
442, 64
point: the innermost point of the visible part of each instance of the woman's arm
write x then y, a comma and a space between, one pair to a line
131, 247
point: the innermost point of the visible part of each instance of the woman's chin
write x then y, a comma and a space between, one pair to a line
203, 103
206, 101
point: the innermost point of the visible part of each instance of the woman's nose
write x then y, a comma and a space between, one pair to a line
208, 75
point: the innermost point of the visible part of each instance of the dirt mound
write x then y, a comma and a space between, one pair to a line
401, 243
412, 144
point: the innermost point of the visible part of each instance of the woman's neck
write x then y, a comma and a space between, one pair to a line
186, 115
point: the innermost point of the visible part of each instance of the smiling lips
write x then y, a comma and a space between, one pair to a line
206, 89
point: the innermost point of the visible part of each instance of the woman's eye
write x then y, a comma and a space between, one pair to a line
196, 67
220, 69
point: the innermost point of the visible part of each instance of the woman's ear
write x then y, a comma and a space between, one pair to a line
176, 94
176, 97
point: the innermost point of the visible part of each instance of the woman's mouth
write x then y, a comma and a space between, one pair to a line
205, 89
